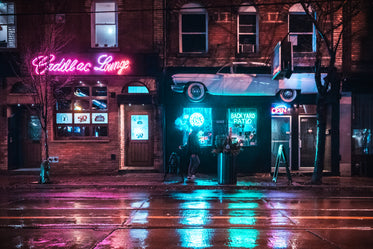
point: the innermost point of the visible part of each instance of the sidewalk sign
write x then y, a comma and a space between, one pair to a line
281, 158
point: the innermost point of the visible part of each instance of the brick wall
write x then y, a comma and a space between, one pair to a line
140, 30
3, 127
362, 38
222, 35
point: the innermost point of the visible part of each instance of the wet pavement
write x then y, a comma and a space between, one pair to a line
140, 210
197, 218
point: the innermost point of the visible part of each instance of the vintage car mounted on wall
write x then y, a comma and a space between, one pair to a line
233, 79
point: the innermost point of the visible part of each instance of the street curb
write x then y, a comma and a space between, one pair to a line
154, 182
184, 187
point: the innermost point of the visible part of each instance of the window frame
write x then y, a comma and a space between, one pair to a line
91, 111
94, 24
190, 9
248, 10
297, 9
10, 25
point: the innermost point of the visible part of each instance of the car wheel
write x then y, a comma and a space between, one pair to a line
287, 95
195, 92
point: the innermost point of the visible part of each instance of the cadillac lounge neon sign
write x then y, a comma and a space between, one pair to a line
104, 64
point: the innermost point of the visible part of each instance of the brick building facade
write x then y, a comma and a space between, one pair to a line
103, 87
246, 32
98, 126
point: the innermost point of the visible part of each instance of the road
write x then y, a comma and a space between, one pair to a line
129, 218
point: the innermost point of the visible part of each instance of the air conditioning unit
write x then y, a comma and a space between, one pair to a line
247, 48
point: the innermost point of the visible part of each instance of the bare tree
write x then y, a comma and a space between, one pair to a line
42, 86
330, 18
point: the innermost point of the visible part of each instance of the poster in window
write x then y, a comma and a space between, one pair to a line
139, 127
243, 123
99, 118
64, 118
81, 118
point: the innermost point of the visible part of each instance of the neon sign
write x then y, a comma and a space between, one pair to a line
196, 119
242, 118
105, 64
279, 109
242, 124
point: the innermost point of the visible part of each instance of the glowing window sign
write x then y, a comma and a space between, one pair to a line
82, 118
243, 123
279, 109
242, 118
99, 118
105, 64
196, 119
64, 118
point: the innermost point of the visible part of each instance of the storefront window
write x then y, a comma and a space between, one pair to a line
242, 122
362, 141
196, 118
100, 131
362, 124
99, 104
81, 104
81, 111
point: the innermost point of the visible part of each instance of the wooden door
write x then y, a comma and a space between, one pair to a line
139, 150
24, 135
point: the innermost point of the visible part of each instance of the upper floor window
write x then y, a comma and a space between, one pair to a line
301, 30
105, 24
193, 29
247, 30
7, 25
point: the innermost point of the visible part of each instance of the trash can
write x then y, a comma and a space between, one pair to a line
226, 169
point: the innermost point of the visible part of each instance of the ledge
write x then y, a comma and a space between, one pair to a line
81, 141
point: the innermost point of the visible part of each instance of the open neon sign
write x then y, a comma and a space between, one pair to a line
105, 64
279, 109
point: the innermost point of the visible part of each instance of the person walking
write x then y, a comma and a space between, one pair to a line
193, 150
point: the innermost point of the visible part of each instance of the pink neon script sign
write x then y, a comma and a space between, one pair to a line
105, 63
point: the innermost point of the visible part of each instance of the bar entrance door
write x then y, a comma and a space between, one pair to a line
307, 140
139, 125
281, 134
24, 139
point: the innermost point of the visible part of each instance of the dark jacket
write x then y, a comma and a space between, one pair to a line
193, 146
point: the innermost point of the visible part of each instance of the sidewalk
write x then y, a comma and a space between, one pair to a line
154, 181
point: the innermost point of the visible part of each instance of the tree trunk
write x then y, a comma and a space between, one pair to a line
320, 140
46, 147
